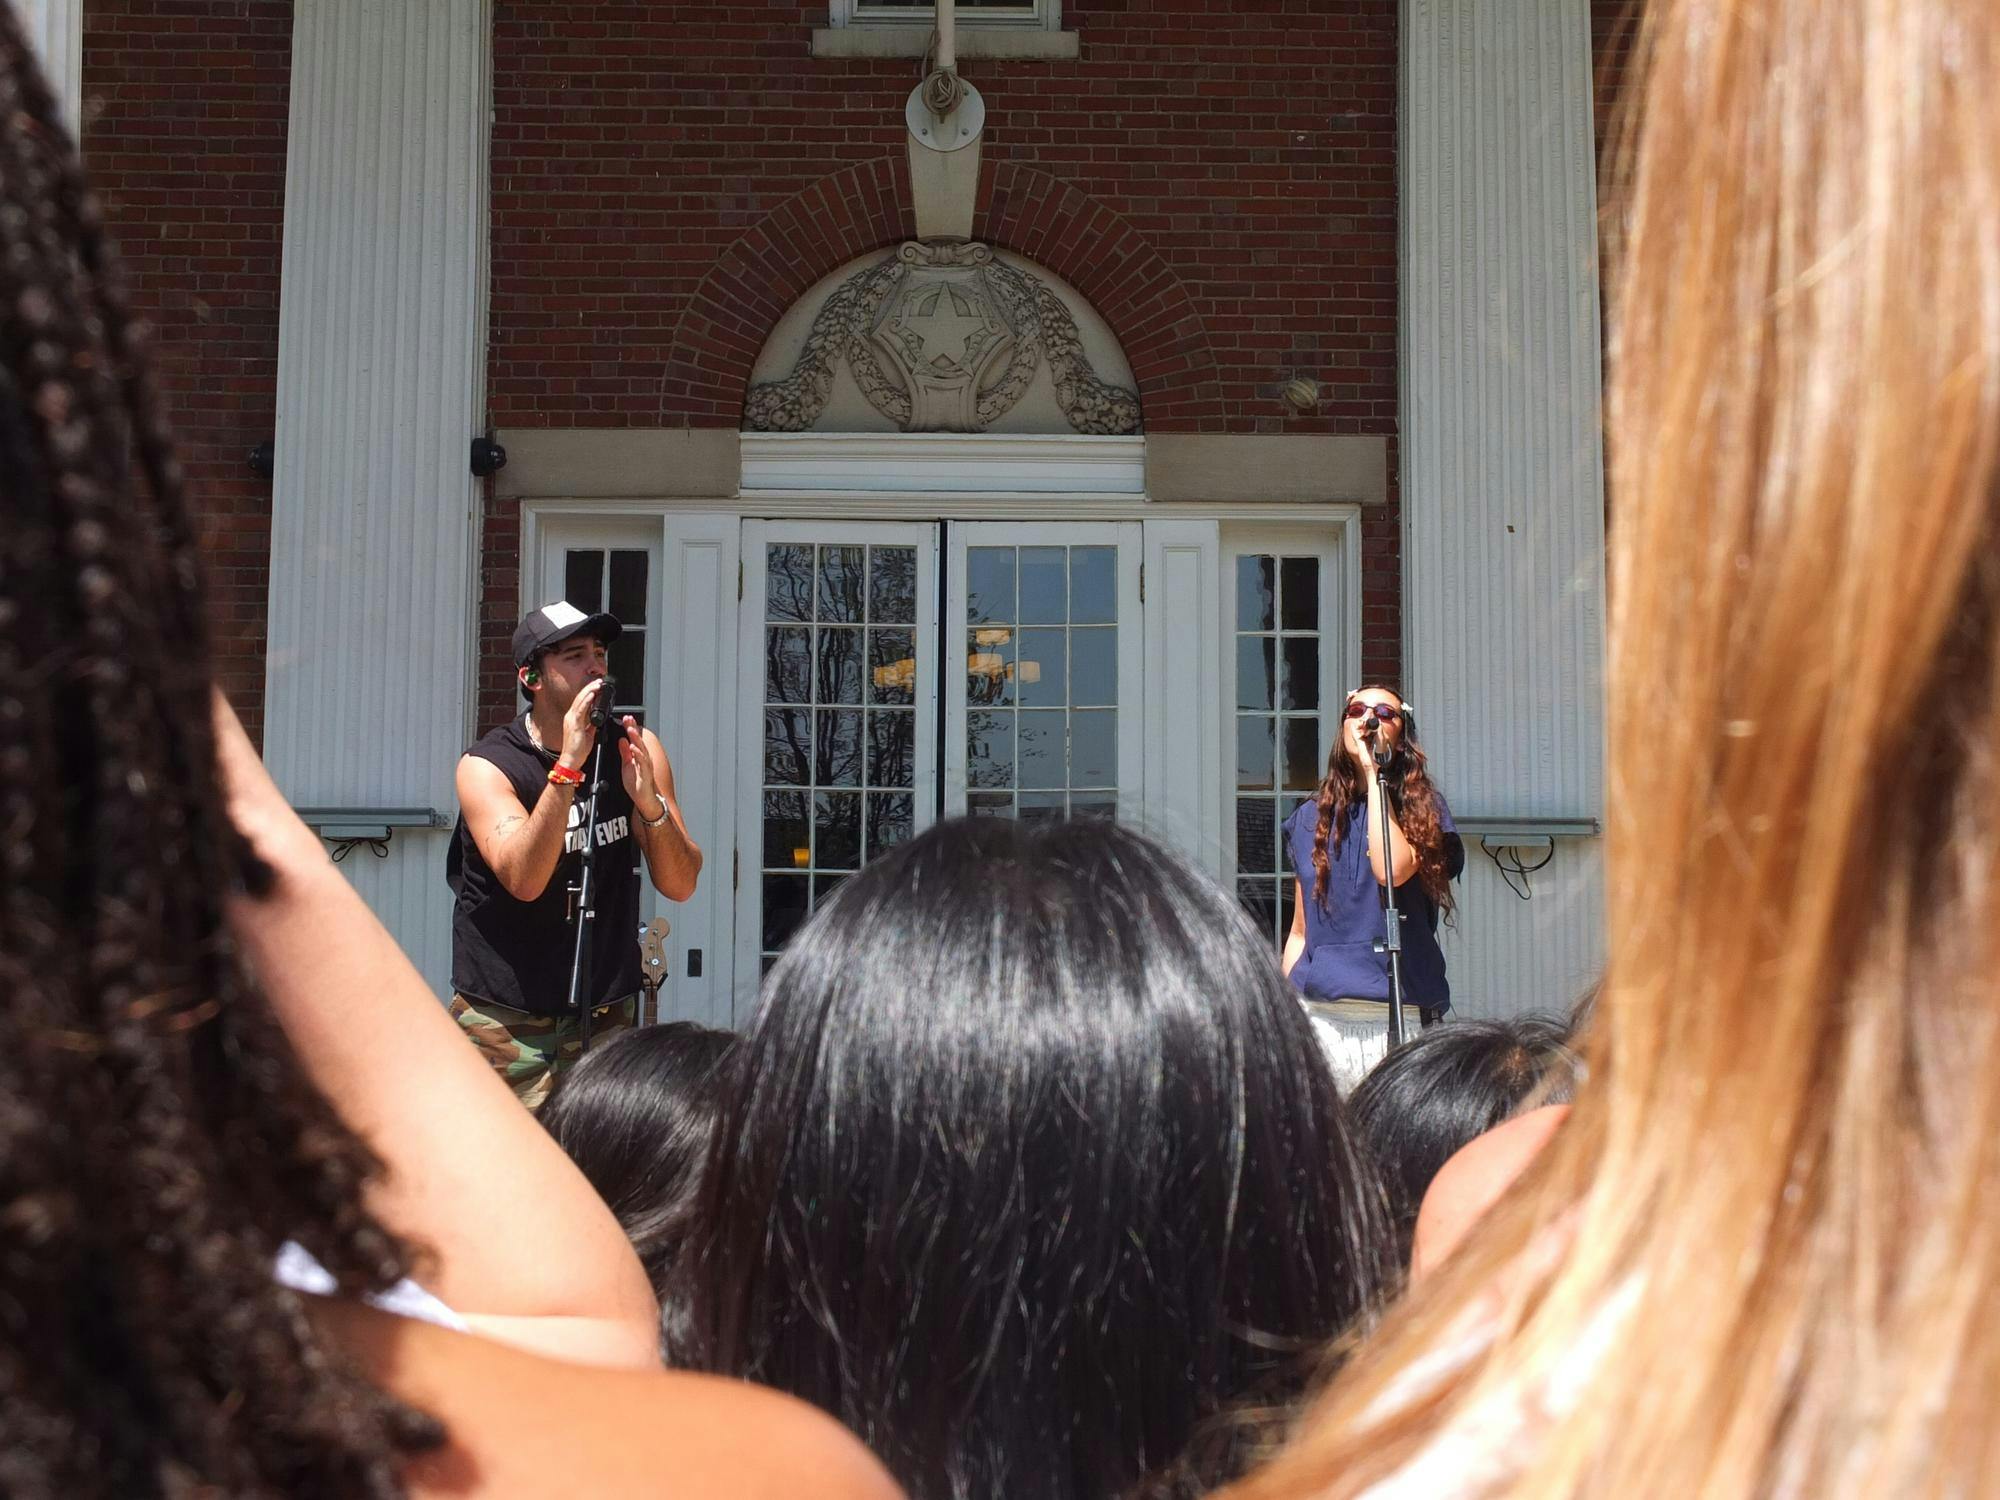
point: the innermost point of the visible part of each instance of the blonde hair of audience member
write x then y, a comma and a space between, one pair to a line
1763, 1255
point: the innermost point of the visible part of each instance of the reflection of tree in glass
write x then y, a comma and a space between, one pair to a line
892, 585
837, 751
840, 665
788, 664
989, 743
842, 584
892, 754
788, 581
787, 746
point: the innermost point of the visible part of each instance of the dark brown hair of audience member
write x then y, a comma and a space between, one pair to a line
636, 1115
1438, 1091
1413, 800
158, 1141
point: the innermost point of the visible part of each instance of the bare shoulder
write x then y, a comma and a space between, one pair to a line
477, 773
1474, 1179
597, 1432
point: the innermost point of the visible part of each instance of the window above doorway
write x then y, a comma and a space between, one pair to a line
1003, 29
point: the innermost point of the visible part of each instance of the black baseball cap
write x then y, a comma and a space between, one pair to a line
557, 622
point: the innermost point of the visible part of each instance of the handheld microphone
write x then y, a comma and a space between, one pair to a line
1371, 735
600, 706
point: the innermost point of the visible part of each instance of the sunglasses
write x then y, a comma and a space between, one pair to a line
1382, 711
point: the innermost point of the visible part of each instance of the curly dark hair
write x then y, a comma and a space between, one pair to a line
1412, 799
158, 1138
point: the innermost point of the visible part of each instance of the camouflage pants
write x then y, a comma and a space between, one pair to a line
527, 1050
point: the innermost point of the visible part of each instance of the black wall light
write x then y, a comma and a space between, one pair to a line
264, 460
488, 457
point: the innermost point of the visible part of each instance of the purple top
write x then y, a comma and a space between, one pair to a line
1340, 961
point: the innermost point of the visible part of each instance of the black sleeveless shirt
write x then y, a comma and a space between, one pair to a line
517, 953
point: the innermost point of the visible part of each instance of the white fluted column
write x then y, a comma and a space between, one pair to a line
1502, 465
55, 28
381, 389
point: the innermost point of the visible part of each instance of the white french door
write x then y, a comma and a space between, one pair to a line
1045, 668
838, 693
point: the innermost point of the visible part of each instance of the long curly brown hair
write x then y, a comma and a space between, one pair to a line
158, 1138
1413, 801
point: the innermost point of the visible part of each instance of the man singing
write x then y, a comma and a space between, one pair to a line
518, 845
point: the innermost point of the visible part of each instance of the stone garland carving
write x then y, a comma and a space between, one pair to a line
961, 335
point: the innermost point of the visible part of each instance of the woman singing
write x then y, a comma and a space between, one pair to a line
1337, 913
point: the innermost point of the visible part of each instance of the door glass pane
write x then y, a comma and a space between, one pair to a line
1256, 593
1093, 666
1253, 673
989, 585
1256, 753
1041, 748
892, 747
788, 581
1301, 672
841, 584
787, 834
1093, 585
583, 578
989, 666
1040, 669
1093, 747
627, 598
1278, 724
989, 749
837, 830
788, 755
1299, 593
837, 747
824, 752
892, 666
1302, 769
788, 664
892, 585
839, 665
1044, 586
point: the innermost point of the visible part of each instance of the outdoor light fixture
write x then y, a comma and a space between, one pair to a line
488, 457
264, 460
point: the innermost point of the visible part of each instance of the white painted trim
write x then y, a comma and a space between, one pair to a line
863, 505
942, 463
1047, 16
1184, 793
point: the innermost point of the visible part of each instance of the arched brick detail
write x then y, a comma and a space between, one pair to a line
1125, 279
752, 284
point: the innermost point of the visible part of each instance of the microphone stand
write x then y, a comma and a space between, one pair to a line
1391, 941
583, 892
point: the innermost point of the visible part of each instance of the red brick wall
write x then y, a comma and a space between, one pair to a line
643, 153
184, 135
657, 198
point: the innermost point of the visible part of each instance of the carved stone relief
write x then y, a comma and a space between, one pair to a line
943, 338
